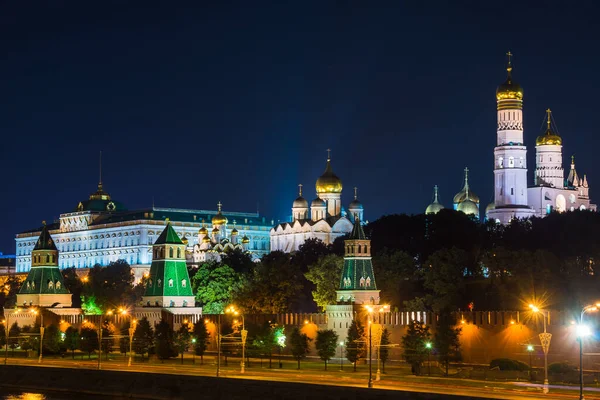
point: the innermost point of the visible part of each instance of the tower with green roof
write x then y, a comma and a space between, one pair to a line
44, 286
357, 283
169, 283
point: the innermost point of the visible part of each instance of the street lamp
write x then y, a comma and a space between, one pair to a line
35, 312
194, 351
583, 331
530, 351
545, 340
428, 346
131, 331
370, 322
341, 356
244, 333
7, 328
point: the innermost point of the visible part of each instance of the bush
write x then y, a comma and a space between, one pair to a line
561, 368
506, 364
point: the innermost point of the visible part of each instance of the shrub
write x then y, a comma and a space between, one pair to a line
561, 368
506, 364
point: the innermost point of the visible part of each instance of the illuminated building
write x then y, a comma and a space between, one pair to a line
512, 197
44, 285
326, 220
101, 230
168, 283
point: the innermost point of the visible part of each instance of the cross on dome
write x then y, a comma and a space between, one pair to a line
355, 192
300, 189
328, 154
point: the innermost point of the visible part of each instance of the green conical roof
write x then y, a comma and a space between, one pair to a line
168, 236
45, 241
357, 231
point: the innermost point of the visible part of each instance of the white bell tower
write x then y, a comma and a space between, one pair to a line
510, 154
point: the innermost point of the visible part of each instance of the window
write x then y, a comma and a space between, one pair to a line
183, 283
178, 253
511, 162
512, 191
501, 162
170, 282
159, 283
170, 252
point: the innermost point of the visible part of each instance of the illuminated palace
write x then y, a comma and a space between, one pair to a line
101, 230
325, 220
513, 198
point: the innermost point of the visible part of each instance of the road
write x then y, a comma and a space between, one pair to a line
334, 377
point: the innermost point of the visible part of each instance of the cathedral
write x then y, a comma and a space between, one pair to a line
513, 198
325, 220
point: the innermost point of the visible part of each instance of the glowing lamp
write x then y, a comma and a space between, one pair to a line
583, 330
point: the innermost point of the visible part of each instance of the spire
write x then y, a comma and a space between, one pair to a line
467, 180
45, 241
573, 179
585, 183
168, 236
509, 65
100, 169
357, 231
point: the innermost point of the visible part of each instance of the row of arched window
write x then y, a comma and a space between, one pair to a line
360, 249
48, 259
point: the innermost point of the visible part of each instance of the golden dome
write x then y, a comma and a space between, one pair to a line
466, 193
469, 207
203, 230
215, 230
184, 240
234, 232
549, 138
434, 207
205, 239
219, 219
509, 90
245, 240
329, 182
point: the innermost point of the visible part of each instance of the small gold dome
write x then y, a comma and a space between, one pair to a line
219, 219
184, 240
245, 240
469, 207
234, 232
509, 90
215, 230
203, 231
549, 138
205, 239
329, 182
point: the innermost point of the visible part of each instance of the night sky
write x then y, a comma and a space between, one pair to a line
238, 102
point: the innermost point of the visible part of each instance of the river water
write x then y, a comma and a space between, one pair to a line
36, 395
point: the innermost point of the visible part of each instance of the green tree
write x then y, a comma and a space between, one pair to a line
214, 285
447, 339
183, 338
326, 344
72, 340
325, 275
112, 286
52, 339
89, 305
13, 336
414, 349
444, 278
299, 344
165, 347
73, 284
2, 334
143, 337
355, 342
201, 336
8, 296
89, 340
384, 350
396, 276
108, 332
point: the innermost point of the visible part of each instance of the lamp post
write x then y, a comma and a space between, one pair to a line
218, 343
583, 331
36, 312
545, 340
7, 328
244, 333
428, 347
370, 322
100, 345
341, 356
194, 351
131, 331
530, 350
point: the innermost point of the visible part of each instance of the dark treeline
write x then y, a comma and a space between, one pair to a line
448, 261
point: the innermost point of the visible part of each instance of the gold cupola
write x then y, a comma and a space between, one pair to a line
549, 138
329, 182
219, 219
509, 95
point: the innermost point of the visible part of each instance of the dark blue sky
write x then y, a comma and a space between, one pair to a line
237, 102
